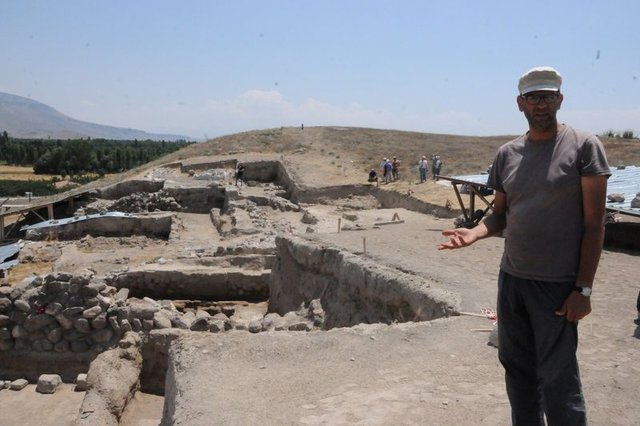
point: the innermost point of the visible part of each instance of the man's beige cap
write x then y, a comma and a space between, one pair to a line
539, 78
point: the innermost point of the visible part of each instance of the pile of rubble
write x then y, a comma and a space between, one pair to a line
139, 202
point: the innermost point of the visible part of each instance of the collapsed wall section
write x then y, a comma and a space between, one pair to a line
107, 225
351, 289
122, 189
393, 199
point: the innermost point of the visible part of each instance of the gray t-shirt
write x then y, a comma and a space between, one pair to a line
542, 182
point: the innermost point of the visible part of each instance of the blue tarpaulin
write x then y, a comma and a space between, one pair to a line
623, 181
68, 220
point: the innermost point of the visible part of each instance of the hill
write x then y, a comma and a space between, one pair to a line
25, 118
353, 151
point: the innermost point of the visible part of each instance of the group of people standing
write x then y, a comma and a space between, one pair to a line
390, 169
423, 166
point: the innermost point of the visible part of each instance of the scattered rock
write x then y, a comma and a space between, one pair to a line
200, 324
48, 383
18, 384
616, 197
81, 383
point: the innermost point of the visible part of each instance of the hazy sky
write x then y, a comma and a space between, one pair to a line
208, 68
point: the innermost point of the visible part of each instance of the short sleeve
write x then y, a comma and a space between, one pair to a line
593, 159
494, 181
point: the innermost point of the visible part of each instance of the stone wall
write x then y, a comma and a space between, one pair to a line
223, 284
186, 167
351, 289
61, 322
319, 195
197, 199
392, 199
153, 225
122, 189
45, 322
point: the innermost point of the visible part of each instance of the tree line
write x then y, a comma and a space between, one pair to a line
82, 156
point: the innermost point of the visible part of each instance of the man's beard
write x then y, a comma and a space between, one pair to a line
542, 121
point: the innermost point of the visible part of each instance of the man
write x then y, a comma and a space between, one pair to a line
395, 168
550, 187
437, 166
433, 166
423, 165
240, 174
387, 171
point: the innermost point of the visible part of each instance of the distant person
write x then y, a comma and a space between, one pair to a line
433, 166
423, 166
240, 174
387, 171
373, 177
550, 190
381, 167
395, 168
437, 166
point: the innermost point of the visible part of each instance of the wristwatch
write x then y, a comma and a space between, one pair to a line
585, 291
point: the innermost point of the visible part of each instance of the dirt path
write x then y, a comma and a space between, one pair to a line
30, 408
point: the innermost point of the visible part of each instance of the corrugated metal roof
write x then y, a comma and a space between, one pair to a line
68, 220
7, 251
625, 181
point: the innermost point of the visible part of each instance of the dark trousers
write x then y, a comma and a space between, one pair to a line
538, 351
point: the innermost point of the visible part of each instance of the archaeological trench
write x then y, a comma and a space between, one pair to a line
110, 330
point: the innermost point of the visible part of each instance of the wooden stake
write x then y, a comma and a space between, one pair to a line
471, 314
339, 223
364, 245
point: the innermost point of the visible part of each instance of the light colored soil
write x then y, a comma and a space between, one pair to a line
30, 408
144, 409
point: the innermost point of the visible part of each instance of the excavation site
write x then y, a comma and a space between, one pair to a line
299, 294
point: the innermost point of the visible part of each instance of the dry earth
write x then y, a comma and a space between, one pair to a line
415, 373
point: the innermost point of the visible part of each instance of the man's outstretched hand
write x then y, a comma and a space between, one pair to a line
458, 238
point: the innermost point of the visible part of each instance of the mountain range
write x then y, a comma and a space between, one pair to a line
22, 117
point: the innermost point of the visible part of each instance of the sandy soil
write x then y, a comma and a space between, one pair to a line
30, 408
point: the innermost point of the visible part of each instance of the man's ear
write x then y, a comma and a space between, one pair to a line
520, 100
560, 99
